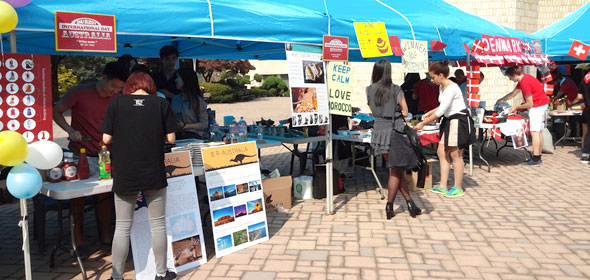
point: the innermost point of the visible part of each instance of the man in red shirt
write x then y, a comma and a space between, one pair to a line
536, 101
567, 88
427, 94
88, 104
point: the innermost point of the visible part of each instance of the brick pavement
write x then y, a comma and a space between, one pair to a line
514, 223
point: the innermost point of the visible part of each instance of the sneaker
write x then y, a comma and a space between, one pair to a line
533, 162
169, 276
438, 189
585, 160
455, 192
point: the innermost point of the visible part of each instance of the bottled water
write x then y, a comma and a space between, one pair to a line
242, 130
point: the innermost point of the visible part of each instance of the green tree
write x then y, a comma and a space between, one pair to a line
258, 77
276, 83
65, 79
86, 68
209, 66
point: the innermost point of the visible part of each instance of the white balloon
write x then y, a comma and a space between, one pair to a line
44, 154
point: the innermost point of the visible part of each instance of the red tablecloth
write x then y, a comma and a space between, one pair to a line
428, 138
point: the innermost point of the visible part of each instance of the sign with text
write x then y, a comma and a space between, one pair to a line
184, 230
502, 45
415, 58
372, 39
25, 96
82, 32
236, 199
340, 88
335, 48
537, 48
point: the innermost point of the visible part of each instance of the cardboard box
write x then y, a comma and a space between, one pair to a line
412, 177
277, 194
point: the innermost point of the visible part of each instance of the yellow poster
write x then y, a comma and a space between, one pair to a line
372, 39
230, 155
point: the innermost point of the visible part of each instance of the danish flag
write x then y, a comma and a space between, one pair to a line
548, 89
473, 74
525, 126
473, 99
587, 77
496, 133
478, 46
527, 47
473, 86
547, 78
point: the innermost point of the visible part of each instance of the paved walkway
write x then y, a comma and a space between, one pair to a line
514, 223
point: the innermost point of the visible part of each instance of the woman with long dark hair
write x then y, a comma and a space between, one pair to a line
189, 107
137, 123
388, 105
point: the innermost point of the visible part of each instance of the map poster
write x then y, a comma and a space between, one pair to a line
415, 58
236, 200
186, 245
307, 82
340, 88
372, 38
25, 96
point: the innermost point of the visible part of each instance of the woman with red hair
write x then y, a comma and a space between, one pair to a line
137, 123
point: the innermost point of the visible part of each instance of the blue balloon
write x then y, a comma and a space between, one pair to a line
23, 181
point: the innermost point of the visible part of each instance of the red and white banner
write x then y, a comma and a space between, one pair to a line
548, 88
473, 99
25, 96
501, 45
579, 50
547, 78
335, 48
82, 32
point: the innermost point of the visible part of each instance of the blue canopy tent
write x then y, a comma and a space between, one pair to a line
227, 29
559, 36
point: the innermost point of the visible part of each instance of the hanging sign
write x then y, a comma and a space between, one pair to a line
25, 96
415, 58
81, 32
501, 45
372, 39
335, 48
340, 88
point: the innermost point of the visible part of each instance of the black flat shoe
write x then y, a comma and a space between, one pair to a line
389, 210
413, 209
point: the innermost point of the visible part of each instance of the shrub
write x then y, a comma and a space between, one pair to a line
245, 80
274, 82
272, 92
217, 88
258, 77
259, 92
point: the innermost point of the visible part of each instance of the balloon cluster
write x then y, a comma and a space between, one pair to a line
24, 181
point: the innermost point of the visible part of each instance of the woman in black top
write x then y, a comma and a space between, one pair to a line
137, 123
388, 105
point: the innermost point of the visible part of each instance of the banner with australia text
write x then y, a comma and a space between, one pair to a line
236, 200
82, 32
184, 230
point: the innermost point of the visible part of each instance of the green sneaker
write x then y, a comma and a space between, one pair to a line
438, 189
455, 192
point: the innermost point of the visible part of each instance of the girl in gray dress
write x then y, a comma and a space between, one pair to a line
388, 105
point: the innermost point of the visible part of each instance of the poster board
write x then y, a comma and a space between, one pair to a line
186, 245
340, 88
415, 58
84, 32
372, 38
25, 96
335, 48
236, 199
309, 92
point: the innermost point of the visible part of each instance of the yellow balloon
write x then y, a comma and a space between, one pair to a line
8, 17
13, 148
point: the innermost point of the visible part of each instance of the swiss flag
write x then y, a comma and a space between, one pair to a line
473, 99
579, 50
548, 89
395, 45
478, 46
547, 78
496, 133
437, 45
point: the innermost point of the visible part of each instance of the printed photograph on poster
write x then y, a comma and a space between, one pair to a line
187, 250
183, 225
229, 191
240, 237
224, 242
254, 206
519, 139
240, 210
215, 193
305, 100
255, 186
313, 71
242, 188
257, 231
223, 216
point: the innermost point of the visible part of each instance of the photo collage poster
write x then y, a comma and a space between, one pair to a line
308, 86
186, 244
25, 96
236, 200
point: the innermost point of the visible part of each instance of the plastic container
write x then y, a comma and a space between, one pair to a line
70, 170
104, 164
227, 120
234, 132
83, 169
303, 187
242, 130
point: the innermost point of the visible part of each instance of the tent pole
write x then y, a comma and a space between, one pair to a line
329, 171
12, 35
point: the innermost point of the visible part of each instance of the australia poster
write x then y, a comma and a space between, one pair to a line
238, 215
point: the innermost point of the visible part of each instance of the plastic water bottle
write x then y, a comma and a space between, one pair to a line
243, 130
259, 132
233, 132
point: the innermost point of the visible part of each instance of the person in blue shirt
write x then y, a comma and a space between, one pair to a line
189, 107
